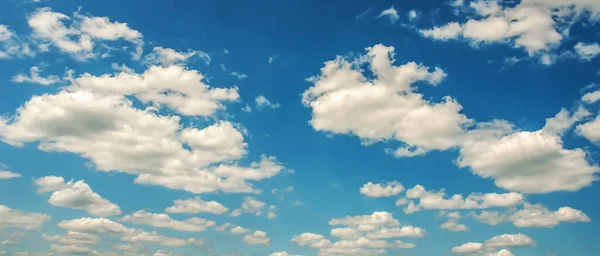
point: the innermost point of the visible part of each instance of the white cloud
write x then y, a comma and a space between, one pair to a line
239, 75
76, 195
385, 107
543, 164
437, 200
239, 230
510, 240
34, 77
4, 174
247, 109
250, 205
5, 33
468, 248
390, 13
587, 51
196, 205
161, 220
387, 189
590, 130
359, 235
115, 136
283, 254
505, 240
109, 227
12, 46
258, 237
539, 216
175, 87
502, 252
167, 56
528, 26
413, 15
21, 219
449, 31
453, 225
262, 102
405, 231
72, 237
591, 97
69, 249
79, 39
164, 253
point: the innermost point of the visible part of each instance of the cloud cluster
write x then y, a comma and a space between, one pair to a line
490, 246
383, 105
76, 195
361, 235
537, 27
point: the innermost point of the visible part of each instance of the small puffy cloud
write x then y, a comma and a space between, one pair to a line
262, 102
21, 219
500, 241
161, 220
34, 77
258, 237
413, 15
167, 56
544, 165
510, 240
539, 216
76, 195
591, 129
361, 235
386, 189
4, 174
5, 33
502, 252
72, 237
453, 225
591, 97
251, 206
69, 249
385, 107
238, 75
79, 38
283, 254
239, 230
587, 51
468, 248
391, 13
196, 205
164, 253
449, 31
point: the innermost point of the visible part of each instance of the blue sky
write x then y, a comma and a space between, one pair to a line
282, 128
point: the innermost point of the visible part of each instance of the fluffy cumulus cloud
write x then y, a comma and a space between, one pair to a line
532, 215
283, 254
251, 206
108, 130
167, 56
104, 226
21, 219
79, 35
161, 220
361, 235
543, 163
385, 107
5, 174
437, 200
386, 189
257, 238
34, 77
72, 237
490, 246
587, 51
172, 86
196, 205
537, 27
76, 195
262, 102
